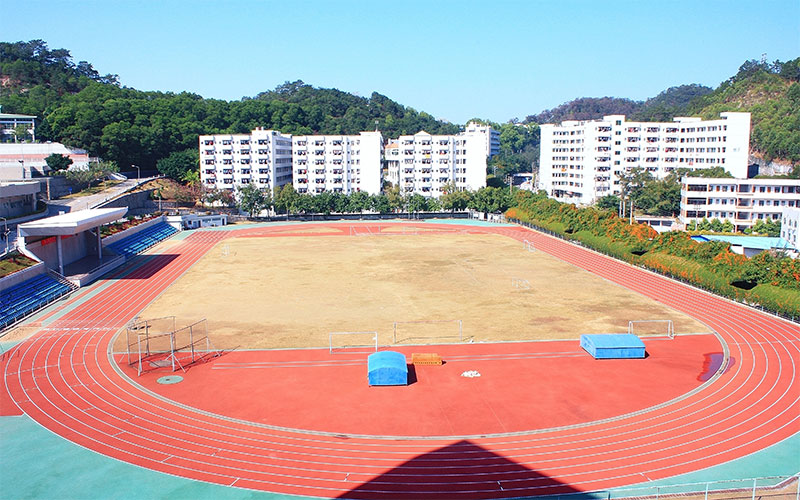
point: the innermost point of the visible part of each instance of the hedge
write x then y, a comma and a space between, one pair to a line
711, 266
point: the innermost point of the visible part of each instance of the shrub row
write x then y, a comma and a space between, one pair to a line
768, 280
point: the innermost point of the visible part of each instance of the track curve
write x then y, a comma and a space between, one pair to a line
64, 379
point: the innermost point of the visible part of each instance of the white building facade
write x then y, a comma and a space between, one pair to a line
790, 224
263, 157
338, 163
424, 163
490, 136
26, 160
740, 201
581, 161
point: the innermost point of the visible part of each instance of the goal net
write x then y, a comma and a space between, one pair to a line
428, 331
528, 245
652, 327
154, 344
352, 342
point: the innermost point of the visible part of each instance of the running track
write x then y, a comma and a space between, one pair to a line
64, 379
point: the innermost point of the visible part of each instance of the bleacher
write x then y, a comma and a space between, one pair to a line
24, 298
136, 243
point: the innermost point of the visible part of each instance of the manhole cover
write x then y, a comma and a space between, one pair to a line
170, 379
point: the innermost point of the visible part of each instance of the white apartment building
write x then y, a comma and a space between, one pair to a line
263, 157
790, 224
581, 161
741, 201
490, 136
338, 163
423, 163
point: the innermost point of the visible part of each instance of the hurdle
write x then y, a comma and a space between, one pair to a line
521, 283
528, 245
459, 322
668, 322
363, 347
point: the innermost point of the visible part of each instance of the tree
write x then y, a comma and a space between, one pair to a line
359, 201
380, 203
251, 199
608, 202
179, 163
286, 199
58, 162
20, 133
417, 203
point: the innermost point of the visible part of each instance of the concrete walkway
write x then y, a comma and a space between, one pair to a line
93, 200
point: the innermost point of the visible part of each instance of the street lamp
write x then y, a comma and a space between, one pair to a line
138, 173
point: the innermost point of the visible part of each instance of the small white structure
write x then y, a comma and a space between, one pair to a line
195, 221
69, 239
18, 198
10, 121
338, 163
581, 161
741, 201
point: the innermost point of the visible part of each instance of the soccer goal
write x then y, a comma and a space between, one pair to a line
363, 231
428, 331
151, 347
528, 245
352, 342
652, 327
521, 283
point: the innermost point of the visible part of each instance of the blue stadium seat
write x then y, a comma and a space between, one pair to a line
144, 239
24, 298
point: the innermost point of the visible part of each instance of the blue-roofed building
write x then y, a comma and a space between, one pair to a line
750, 245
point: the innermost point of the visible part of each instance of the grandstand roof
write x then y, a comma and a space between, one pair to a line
72, 222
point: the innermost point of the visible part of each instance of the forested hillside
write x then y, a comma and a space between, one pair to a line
771, 93
80, 108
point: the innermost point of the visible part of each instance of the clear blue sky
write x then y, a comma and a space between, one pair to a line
495, 59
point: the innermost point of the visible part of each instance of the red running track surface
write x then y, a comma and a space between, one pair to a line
65, 379
522, 386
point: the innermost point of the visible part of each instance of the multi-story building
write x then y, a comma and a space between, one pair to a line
581, 161
10, 123
425, 163
337, 163
790, 224
741, 201
263, 157
490, 135
26, 160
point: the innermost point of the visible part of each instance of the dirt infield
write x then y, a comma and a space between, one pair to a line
293, 291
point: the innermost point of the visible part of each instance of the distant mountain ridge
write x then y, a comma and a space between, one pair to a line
662, 107
81, 108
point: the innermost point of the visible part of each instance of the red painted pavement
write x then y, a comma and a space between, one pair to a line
522, 386
64, 379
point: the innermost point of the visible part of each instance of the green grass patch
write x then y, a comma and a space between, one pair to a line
14, 262
93, 189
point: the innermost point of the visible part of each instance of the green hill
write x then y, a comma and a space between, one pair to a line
80, 108
771, 93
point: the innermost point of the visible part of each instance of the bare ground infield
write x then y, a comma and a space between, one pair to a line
284, 292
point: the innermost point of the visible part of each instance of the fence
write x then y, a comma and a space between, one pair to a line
761, 487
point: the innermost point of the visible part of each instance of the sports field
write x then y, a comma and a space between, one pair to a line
259, 292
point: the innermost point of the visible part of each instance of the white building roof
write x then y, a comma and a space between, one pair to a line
72, 222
